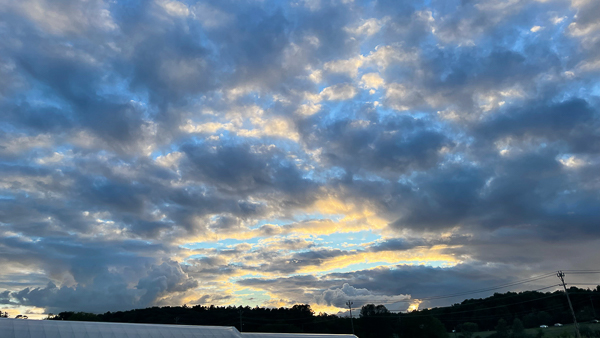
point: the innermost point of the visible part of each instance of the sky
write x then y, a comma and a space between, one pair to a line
272, 153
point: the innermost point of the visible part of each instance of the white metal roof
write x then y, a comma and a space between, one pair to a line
295, 335
21, 328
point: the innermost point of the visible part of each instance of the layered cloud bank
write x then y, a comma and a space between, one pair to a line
269, 153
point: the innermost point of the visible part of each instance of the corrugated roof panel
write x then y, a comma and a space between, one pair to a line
294, 335
51, 329
21, 328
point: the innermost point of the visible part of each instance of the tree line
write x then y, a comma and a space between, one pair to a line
508, 314
532, 308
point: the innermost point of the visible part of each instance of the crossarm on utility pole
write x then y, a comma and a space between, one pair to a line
561, 276
349, 303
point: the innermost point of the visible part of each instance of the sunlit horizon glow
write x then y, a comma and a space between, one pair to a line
272, 153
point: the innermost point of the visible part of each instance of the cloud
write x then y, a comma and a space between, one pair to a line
339, 296
108, 291
398, 286
386, 147
372, 80
369, 27
246, 152
536, 29
211, 17
162, 279
339, 92
70, 18
175, 8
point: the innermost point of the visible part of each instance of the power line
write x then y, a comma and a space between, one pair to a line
490, 288
547, 308
502, 286
581, 271
595, 284
515, 313
503, 305
532, 279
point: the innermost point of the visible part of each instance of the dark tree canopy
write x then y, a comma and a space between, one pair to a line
508, 314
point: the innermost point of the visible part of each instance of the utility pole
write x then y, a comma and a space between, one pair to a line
349, 303
561, 276
241, 311
593, 308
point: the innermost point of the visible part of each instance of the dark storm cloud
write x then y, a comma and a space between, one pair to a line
404, 244
305, 254
524, 190
396, 286
100, 272
74, 80
108, 291
302, 259
83, 259
413, 280
243, 169
389, 147
149, 55
573, 122
459, 77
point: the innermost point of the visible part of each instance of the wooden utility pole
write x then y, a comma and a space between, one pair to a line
561, 276
241, 311
349, 303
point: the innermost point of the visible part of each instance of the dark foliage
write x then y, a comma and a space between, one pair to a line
532, 308
508, 314
422, 327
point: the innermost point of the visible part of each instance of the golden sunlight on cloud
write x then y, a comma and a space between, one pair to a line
414, 306
414, 256
322, 308
572, 162
271, 127
381, 57
372, 80
353, 219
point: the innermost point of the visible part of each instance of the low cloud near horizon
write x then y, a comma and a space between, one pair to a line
270, 153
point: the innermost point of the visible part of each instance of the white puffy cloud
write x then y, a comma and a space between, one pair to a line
175, 8
339, 92
339, 296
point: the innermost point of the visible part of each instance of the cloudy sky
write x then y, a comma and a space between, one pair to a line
269, 153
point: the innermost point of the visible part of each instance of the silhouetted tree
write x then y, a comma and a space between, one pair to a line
376, 321
422, 327
518, 330
502, 329
468, 329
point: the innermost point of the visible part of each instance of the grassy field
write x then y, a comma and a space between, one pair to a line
550, 332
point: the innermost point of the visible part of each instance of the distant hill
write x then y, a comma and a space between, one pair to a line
533, 308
